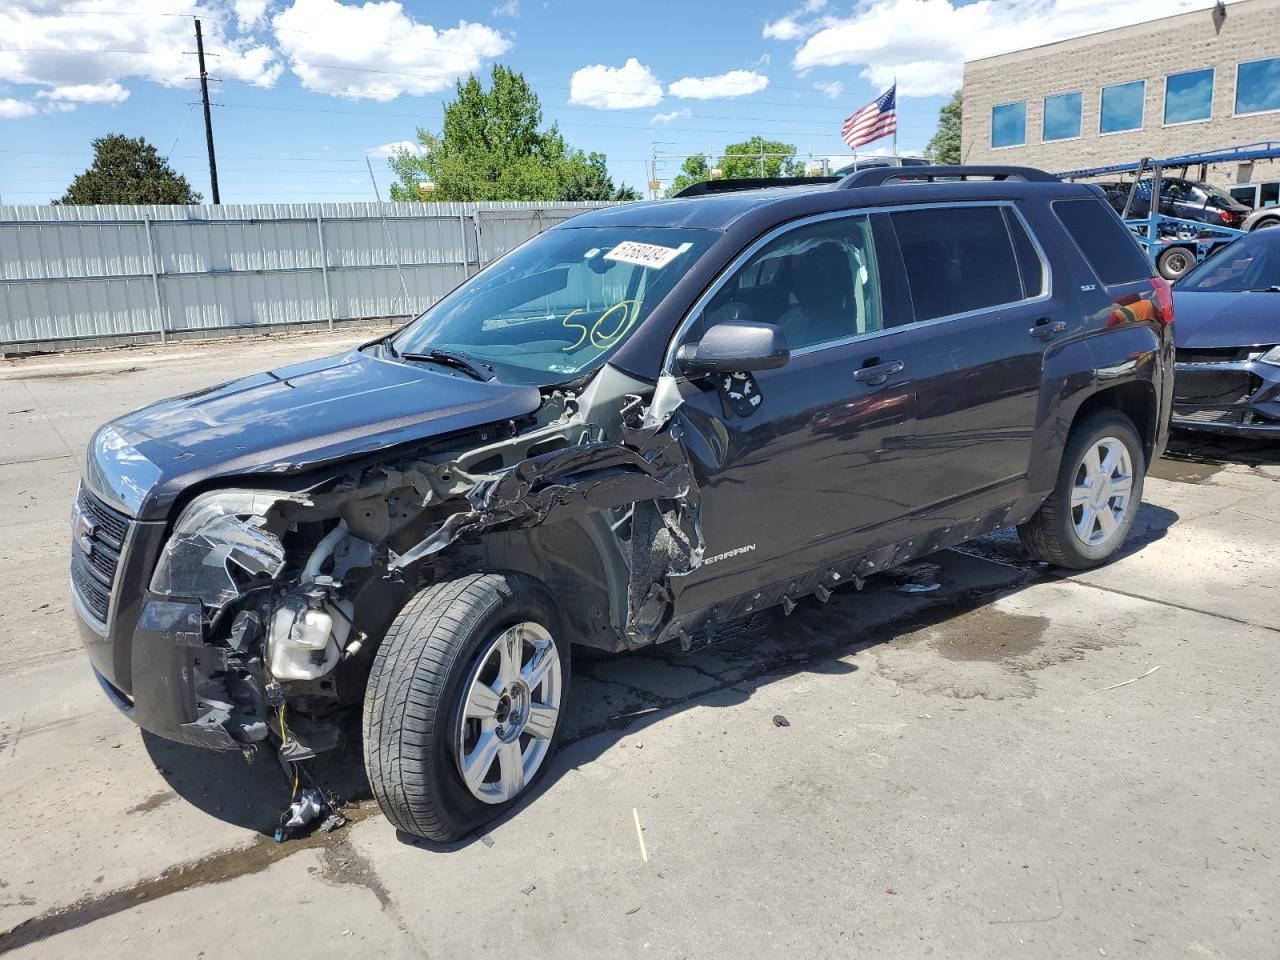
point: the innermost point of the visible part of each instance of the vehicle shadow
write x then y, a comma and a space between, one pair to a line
1186, 446
616, 697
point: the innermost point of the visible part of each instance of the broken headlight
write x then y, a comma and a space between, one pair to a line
220, 545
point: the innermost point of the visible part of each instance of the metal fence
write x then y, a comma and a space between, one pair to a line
72, 275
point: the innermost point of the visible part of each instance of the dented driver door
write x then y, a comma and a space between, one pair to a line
796, 465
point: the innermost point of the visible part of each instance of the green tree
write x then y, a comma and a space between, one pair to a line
756, 157
492, 147
944, 147
126, 170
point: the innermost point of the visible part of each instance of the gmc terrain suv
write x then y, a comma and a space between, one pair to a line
649, 420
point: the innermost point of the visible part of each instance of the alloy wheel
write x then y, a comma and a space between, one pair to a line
1101, 494
511, 703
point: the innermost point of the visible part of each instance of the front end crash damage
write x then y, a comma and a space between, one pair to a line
275, 601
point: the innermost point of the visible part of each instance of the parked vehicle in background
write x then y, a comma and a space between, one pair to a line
644, 422
1262, 219
871, 163
1181, 198
1228, 340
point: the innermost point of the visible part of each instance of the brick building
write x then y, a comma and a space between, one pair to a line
1195, 81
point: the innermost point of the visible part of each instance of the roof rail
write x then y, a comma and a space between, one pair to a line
751, 183
879, 176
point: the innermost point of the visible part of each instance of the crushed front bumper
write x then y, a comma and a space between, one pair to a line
179, 688
1239, 397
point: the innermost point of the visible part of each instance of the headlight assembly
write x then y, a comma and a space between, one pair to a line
218, 546
1272, 356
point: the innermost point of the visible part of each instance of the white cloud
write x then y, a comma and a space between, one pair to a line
735, 83
377, 52
395, 148
60, 45
832, 89
11, 109
924, 43
683, 114
109, 92
784, 28
509, 9
249, 13
615, 88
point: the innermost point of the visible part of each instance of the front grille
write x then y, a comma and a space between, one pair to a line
98, 535
1211, 387
1211, 414
1212, 354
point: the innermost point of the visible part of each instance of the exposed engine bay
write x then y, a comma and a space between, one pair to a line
593, 494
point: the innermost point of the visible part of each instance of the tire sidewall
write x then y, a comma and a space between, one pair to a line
515, 598
1090, 432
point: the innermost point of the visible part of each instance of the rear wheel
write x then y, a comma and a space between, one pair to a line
1174, 262
1092, 508
1267, 223
464, 701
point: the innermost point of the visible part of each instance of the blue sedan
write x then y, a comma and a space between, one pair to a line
1228, 340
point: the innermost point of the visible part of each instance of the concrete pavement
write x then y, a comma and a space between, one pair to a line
964, 772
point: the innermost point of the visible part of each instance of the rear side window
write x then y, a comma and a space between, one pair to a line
1109, 247
957, 259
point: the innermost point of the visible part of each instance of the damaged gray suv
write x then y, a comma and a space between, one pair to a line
643, 423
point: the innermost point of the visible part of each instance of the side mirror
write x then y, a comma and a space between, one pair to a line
735, 346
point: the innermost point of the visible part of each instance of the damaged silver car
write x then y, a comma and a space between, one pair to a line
640, 424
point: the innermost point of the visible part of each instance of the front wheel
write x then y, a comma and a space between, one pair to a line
1087, 517
464, 702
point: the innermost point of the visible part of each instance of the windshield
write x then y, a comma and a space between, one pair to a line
559, 305
1250, 263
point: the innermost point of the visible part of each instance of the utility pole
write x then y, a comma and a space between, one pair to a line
208, 121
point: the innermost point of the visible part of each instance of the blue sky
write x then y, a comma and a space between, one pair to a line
311, 87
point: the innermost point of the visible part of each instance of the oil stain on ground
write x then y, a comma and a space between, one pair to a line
1183, 471
987, 653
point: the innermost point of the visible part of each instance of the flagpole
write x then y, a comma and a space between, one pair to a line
895, 108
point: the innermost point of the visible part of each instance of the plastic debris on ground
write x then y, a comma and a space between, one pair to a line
302, 812
918, 587
780, 721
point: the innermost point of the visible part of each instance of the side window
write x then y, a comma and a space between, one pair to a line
957, 259
819, 282
1103, 239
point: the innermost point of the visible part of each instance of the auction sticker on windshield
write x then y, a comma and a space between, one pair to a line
645, 254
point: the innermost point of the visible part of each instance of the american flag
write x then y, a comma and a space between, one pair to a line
877, 119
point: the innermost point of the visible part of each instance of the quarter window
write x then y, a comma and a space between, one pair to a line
1188, 96
957, 259
1009, 124
1061, 117
1258, 86
1122, 107
1103, 239
819, 282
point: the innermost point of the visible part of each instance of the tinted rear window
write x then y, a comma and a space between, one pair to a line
1110, 249
957, 259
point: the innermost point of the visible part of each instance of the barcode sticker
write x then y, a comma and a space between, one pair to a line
645, 254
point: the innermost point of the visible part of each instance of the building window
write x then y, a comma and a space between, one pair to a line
1258, 86
1121, 107
1188, 96
1009, 124
1061, 117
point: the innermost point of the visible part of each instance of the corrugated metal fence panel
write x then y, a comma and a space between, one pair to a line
85, 272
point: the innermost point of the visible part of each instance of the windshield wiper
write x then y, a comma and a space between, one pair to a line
459, 361
1274, 288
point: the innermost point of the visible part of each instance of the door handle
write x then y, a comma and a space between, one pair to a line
879, 373
1045, 328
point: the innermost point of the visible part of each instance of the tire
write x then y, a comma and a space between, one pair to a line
445, 648
1266, 223
1174, 262
1052, 534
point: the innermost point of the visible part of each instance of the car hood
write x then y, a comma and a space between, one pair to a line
287, 421
1226, 319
